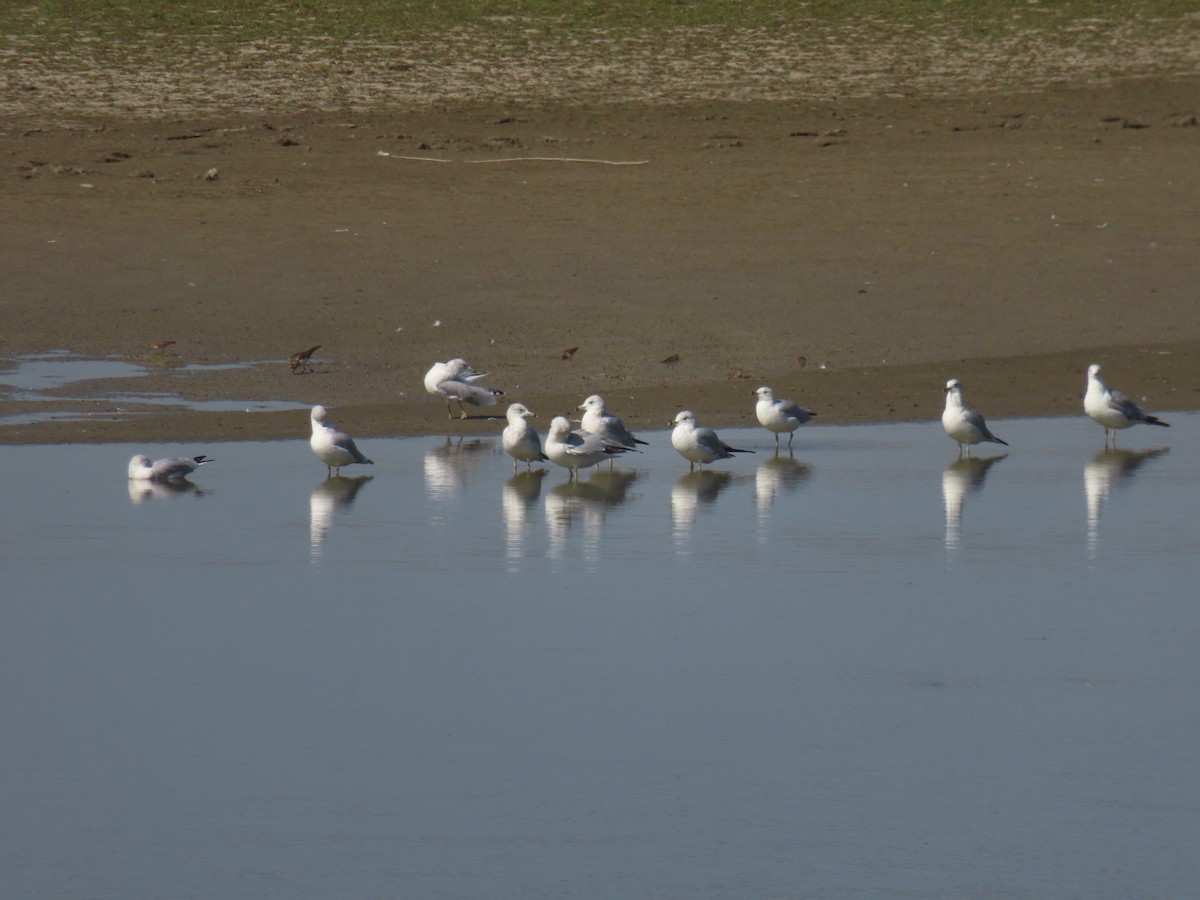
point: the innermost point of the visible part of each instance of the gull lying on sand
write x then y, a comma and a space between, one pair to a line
780, 415
1112, 409
577, 450
698, 445
332, 447
455, 382
962, 424
173, 468
519, 439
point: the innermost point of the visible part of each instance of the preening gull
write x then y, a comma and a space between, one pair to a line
962, 424
332, 447
454, 381
519, 439
173, 468
1112, 409
698, 445
780, 415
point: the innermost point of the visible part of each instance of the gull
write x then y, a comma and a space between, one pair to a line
519, 439
332, 447
962, 424
698, 445
577, 450
298, 362
598, 420
455, 381
1112, 409
780, 415
173, 468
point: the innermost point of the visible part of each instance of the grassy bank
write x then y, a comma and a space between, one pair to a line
161, 57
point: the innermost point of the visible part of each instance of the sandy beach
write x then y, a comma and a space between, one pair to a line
854, 254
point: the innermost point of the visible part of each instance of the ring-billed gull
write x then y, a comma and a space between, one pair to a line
780, 415
599, 420
455, 382
576, 450
698, 445
332, 447
962, 424
519, 439
173, 468
1112, 409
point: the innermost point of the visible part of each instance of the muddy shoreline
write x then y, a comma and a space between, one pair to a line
853, 255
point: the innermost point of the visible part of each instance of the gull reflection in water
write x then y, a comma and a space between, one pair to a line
330, 496
774, 477
588, 501
963, 476
1108, 469
449, 466
141, 491
520, 495
691, 492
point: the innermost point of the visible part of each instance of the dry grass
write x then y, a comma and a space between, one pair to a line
164, 59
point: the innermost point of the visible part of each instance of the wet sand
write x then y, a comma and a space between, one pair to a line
853, 255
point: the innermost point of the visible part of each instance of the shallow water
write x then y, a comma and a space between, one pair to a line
40, 378
865, 671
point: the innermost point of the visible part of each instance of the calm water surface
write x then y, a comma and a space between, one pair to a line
866, 671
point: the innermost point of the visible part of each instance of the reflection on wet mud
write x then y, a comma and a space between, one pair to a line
140, 491
963, 476
1109, 469
449, 466
520, 496
330, 496
587, 501
688, 494
776, 476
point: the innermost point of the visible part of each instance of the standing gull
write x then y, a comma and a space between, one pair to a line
576, 450
332, 447
454, 381
780, 415
1112, 409
698, 445
519, 439
599, 421
173, 468
962, 424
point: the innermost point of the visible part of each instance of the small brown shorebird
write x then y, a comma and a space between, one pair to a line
298, 362
160, 346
